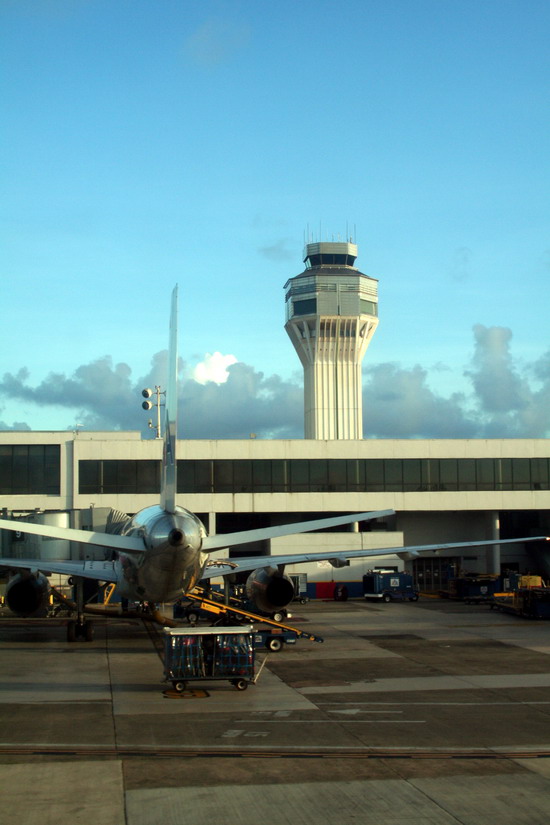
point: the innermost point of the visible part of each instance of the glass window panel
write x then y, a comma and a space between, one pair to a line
337, 475
355, 474
299, 475
448, 468
110, 476
126, 476
242, 476
35, 470
374, 468
521, 473
89, 477
280, 475
308, 306
540, 474
261, 474
20, 467
6, 481
466, 474
318, 475
503, 474
485, 471
412, 474
223, 476
186, 476
430, 473
393, 475
204, 476
52, 468
148, 476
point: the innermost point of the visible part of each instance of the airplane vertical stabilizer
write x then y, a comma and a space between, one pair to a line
169, 466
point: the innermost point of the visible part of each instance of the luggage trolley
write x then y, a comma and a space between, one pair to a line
211, 653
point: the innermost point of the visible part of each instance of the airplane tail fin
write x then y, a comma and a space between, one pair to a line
169, 463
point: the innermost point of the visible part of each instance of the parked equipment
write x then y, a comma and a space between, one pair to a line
474, 589
531, 598
389, 587
212, 653
224, 612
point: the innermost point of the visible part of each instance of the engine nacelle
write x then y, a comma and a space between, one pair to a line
269, 589
27, 594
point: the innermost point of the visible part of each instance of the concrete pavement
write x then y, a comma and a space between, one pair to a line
428, 712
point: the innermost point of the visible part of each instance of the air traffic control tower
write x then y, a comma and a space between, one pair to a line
331, 316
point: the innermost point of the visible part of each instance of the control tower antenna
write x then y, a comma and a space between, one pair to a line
331, 316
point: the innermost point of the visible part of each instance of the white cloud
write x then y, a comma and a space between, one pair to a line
213, 368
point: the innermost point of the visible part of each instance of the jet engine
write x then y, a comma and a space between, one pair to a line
27, 594
269, 589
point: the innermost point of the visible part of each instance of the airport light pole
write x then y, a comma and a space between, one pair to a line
148, 405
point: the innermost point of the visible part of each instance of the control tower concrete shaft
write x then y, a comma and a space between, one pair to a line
331, 316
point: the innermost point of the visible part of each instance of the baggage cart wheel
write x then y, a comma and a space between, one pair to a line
274, 645
240, 684
179, 687
386, 597
192, 617
413, 599
71, 631
88, 631
278, 616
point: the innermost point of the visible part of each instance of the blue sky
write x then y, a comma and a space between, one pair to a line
149, 142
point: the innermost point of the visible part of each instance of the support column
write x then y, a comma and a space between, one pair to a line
493, 551
211, 524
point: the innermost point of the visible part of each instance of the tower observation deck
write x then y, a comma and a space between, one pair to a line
331, 316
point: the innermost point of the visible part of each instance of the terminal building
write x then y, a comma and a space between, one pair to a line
442, 490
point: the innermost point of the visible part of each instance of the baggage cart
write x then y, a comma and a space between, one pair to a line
211, 653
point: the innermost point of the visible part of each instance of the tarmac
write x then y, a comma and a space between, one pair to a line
433, 712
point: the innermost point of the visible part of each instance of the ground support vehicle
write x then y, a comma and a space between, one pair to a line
530, 602
472, 589
274, 638
230, 612
211, 653
389, 587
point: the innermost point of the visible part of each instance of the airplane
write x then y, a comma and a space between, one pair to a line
163, 551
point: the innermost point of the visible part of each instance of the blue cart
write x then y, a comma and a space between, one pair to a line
211, 653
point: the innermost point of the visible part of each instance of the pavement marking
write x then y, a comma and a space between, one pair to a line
337, 721
437, 704
355, 711
445, 682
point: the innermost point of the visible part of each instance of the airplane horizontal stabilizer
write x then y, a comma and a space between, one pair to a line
103, 571
220, 540
126, 544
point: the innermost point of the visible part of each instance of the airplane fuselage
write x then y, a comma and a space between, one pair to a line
173, 560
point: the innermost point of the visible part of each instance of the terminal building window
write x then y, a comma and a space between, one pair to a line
301, 475
30, 469
112, 476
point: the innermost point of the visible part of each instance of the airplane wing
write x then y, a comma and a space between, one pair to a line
220, 540
240, 565
127, 544
103, 571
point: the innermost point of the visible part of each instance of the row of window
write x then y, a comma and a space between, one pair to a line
308, 306
35, 469
319, 475
27, 469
